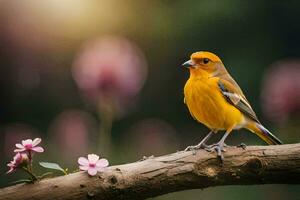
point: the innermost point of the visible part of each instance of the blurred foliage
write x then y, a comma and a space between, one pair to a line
39, 41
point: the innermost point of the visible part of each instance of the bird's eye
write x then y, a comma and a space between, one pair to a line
206, 60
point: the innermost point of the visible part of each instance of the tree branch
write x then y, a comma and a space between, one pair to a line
179, 171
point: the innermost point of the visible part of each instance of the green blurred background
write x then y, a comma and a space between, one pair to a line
41, 42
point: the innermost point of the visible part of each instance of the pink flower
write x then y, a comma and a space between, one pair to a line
281, 91
71, 130
110, 71
92, 164
18, 160
29, 146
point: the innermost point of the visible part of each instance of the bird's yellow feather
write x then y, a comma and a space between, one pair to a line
207, 104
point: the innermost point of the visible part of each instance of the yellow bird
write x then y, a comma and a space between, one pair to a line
216, 100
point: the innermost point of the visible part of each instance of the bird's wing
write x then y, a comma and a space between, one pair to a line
234, 95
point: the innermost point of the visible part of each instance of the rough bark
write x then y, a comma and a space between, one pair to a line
178, 171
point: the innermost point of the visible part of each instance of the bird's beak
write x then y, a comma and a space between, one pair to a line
188, 64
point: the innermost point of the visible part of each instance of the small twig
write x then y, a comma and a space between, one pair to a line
31, 174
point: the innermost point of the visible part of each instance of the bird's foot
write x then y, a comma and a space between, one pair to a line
242, 145
219, 148
196, 147
217, 144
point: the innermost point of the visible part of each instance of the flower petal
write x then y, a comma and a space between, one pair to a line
92, 171
38, 149
18, 157
10, 170
19, 150
102, 163
93, 158
25, 142
83, 161
84, 168
101, 169
11, 164
19, 146
36, 141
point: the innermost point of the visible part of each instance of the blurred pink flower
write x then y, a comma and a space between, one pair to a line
152, 136
281, 90
71, 131
92, 164
18, 160
29, 146
110, 70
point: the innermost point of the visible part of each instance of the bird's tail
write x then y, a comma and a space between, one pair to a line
263, 133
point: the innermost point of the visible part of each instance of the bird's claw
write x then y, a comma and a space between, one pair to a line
196, 147
217, 144
219, 148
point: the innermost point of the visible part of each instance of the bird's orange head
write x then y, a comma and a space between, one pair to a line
203, 60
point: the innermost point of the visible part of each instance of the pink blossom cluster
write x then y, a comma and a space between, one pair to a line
24, 154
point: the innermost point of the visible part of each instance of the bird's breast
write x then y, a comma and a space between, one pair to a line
207, 105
